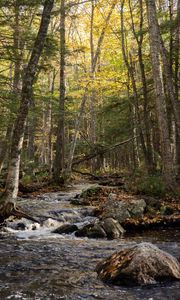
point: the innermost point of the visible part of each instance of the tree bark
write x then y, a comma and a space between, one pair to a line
130, 68
139, 40
59, 156
74, 141
9, 196
167, 159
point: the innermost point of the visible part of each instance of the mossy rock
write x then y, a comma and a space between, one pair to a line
90, 192
166, 210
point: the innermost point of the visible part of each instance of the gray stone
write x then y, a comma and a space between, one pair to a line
91, 231
112, 228
65, 228
123, 210
140, 264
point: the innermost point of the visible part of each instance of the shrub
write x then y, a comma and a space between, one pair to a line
152, 186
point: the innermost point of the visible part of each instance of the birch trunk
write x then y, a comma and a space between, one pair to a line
7, 201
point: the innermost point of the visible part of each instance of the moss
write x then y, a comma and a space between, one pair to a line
93, 191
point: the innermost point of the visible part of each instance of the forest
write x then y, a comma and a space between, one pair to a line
89, 145
89, 86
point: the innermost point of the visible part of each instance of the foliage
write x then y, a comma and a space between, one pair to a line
152, 186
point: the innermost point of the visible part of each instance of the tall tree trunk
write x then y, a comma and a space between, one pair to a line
59, 156
139, 40
130, 68
74, 141
52, 77
177, 80
166, 65
15, 80
177, 52
7, 200
31, 138
167, 159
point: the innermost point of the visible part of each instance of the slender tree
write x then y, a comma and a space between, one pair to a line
59, 156
7, 201
155, 46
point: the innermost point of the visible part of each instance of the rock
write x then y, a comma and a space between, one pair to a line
91, 231
65, 228
123, 210
112, 197
83, 231
108, 228
76, 202
152, 202
112, 228
96, 232
166, 210
140, 264
20, 226
92, 191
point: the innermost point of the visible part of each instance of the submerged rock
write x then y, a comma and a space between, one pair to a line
65, 228
140, 264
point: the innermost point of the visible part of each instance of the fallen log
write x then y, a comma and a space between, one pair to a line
100, 151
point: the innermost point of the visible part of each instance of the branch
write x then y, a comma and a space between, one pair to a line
101, 151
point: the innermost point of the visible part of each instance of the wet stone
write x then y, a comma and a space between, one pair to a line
112, 228
143, 263
91, 231
66, 228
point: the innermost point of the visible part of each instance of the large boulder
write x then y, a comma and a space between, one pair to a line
140, 264
123, 210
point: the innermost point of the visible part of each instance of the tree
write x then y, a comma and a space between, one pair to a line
155, 46
7, 201
59, 156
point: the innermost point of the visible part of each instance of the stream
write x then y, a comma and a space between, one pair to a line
40, 265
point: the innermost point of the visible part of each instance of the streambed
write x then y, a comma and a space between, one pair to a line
38, 264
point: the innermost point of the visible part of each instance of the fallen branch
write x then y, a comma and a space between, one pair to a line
86, 173
100, 151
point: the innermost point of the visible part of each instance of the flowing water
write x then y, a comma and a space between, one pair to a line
40, 265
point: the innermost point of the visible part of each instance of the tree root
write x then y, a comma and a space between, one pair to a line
9, 209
